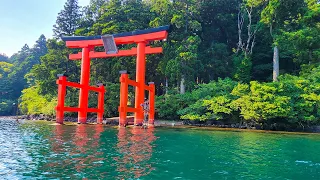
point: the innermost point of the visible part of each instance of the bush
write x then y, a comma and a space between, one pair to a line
167, 106
260, 101
189, 105
197, 110
34, 103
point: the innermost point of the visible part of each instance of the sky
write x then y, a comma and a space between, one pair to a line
23, 21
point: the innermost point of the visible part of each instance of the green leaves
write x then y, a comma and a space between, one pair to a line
191, 105
262, 102
292, 100
219, 105
34, 103
5, 69
304, 44
243, 66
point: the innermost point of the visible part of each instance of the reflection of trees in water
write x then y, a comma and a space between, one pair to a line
135, 149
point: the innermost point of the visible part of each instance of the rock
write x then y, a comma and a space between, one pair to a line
316, 129
258, 127
41, 117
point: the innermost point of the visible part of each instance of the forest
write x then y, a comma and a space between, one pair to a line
232, 61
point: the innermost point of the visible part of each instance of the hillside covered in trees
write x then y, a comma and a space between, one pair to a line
221, 60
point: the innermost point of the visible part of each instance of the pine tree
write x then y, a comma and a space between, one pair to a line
20, 56
40, 48
68, 19
90, 14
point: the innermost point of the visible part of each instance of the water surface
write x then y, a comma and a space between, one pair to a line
38, 150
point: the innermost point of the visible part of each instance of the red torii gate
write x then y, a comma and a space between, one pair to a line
87, 44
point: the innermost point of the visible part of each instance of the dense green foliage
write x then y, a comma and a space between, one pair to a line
291, 100
14, 74
34, 103
217, 61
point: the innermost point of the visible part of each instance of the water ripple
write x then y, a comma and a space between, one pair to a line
39, 150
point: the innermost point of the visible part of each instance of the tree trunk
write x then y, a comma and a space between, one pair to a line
275, 64
166, 85
310, 56
182, 85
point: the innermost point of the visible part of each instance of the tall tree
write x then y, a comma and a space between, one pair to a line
247, 29
4, 58
189, 62
275, 64
68, 19
279, 20
90, 14
23, 61
302, 41
186, 18
17, 74
218, 35
55, 62
40, 48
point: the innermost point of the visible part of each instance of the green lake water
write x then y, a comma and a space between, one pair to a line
39, 150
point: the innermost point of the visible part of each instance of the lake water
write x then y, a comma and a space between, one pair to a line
40, 150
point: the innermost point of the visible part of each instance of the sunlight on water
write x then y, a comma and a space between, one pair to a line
41, 150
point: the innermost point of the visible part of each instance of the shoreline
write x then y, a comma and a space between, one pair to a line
170, 125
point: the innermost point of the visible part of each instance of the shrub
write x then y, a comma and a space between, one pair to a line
34, 103
292, 100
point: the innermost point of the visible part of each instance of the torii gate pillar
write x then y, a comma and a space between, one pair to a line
84, 81
140, 78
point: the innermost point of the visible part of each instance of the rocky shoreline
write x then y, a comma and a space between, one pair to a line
108, 121
214, 124
253, 126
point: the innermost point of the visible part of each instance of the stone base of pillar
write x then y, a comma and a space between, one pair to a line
99, 121
138, 122
82, 120
59, 120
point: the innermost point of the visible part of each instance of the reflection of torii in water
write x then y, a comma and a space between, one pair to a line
135, 147
86, 140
